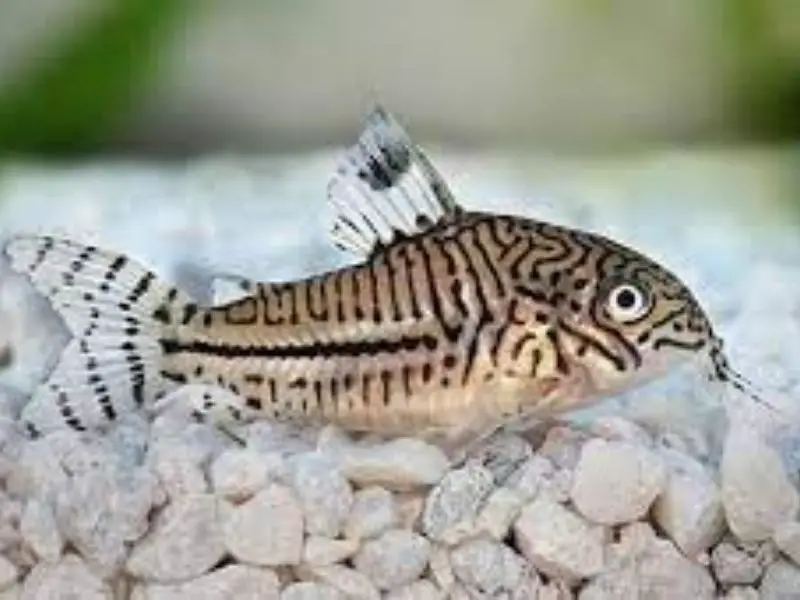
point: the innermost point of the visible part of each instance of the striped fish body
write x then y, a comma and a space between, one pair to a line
428, 333
451, 322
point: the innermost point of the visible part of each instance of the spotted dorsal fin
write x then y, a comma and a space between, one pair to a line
384, 189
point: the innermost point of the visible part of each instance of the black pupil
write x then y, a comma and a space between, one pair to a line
626, 299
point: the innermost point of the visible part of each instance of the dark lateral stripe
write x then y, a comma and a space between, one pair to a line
696, 345
315, 350
598, 347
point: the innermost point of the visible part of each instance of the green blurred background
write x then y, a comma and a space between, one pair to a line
156, 79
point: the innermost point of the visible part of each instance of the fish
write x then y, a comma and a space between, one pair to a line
447, 325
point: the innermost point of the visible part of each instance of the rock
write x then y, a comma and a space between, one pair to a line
562, 447
185, 541
374, 511
102, 510
266, 530
396, 557
756, 492
40, 532
320, 551
532, 476
787, 538
616, 482
12, 593
558, 542
69, 578
689, 509
8, 573
419, 590
324, 494
741, 593
502, 454
129, 440
734, 566
238, 474
409, 508
781, 582
489, 568
37, 472
614, 428
308, 590
348, 581
456, 499
555, 590
400, 465
644, 566
180, 470
267, 437
442, 569
233, 581
498, 514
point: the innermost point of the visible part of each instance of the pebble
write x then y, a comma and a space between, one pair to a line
396, 557
40, 531
502, 454
321, 551
739, 592
399, 465
324, 494
787, 539
645, 566
266, 530
233, 581
185, 541
616, 482
308, 590
558, 542
8, 573
781, 582
756, 492
531, 477
456, 500
238, 474
418, 590
180, 470
490, 568
350, 582
68, 578
690, 508
102, 510
734, 566
374, 510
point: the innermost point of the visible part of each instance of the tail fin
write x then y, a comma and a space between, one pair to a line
117, 311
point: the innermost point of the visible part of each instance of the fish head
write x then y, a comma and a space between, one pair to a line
620, 318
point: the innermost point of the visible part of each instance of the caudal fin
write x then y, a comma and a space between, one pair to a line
117, 311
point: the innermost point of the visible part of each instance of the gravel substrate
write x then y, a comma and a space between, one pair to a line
652, 496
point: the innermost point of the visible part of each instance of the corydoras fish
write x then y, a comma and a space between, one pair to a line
451, 323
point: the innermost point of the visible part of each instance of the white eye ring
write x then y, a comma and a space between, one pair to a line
627, 303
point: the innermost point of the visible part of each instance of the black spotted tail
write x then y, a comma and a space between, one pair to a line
118, 314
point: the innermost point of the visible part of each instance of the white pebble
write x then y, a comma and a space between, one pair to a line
40, 532
350, 582
8, 573
616, 482
266, 530
456, 500
234, 581
734, 566
69, 578
489, 568
399, 465
179, 469
781, 582
308, 590
321, 551
787, 538
374, 511
558, 542
419, 590
756, 492
324, 494
238, 474
397, 557
185, 541
689, 509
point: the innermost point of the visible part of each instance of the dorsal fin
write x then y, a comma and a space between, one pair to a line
385, 188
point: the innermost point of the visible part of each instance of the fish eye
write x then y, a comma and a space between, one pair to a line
627, 302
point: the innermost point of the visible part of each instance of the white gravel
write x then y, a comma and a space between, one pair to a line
651, 495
